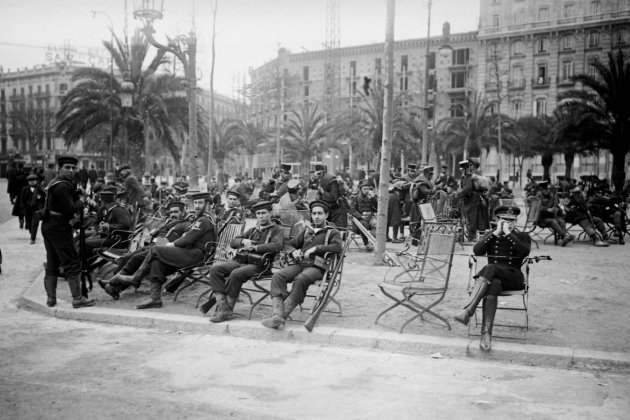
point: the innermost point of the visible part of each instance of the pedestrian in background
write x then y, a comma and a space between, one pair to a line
32, 199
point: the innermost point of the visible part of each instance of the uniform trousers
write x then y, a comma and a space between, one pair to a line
60, 249
228, 277
502, 277
301, 276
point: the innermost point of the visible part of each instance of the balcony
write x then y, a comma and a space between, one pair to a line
541, 82
516, 84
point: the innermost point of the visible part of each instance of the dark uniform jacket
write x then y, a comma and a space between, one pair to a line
364, 205
173, 230
268, 239
234, 213
32, 201
512, 248
63, 199
330, 194
117, 217
325, 239
201, 231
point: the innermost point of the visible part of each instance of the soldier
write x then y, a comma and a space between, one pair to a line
233, 212
578, 213
445, 181
506, 248
131, 263
136, 195
113, 217
183, 252
33, 198
330, 194
62, 203
226, 278
364, 209
550, 215
312, 242
474, 205
608, 209
283, 177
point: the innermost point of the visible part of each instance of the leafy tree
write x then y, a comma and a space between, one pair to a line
602, 111
227, 139
31, 124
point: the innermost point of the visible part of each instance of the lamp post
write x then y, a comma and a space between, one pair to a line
148, 11
111, 86
425, 102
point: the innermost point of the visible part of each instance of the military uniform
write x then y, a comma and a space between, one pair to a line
117, 217
364, 209
474, 206
330, 194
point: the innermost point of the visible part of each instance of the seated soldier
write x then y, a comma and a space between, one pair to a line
131, 263
579, 214
232, 212
113, 217
226, 278
364, 209
609, 209
185, 251
306, 249
510, 247
550, 215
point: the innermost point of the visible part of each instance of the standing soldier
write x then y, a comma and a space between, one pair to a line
62, 203
33, 198
330, 194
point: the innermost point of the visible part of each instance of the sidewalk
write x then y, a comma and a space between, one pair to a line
578, 309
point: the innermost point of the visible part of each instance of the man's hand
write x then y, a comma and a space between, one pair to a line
499, 228
246, 243
169, 244
308, 252
297, 254
506, 228
248, 248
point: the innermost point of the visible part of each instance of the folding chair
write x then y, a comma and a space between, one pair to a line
520, 303
371, 239
531, 218
427, 281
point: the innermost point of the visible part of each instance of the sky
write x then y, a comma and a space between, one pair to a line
249, 32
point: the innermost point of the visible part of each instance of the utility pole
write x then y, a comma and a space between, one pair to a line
425, 102
209, 171
388, 131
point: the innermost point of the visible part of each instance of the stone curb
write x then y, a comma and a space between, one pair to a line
438, 347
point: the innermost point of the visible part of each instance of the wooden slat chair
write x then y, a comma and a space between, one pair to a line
509, 300
125, 241
221, 251
428, 282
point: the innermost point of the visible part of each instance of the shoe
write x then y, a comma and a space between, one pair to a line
82, 302
388, 239
567, 239
150, 304
610, 241
21, 225
397, 241
463, 317
32, 241
369, 248
601, 243
110, 290
50, 302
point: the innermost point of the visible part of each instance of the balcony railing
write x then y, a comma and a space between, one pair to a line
541, 82
516, 84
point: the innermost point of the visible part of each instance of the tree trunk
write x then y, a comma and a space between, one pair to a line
618, 176
547, 161
569, 157
388, 131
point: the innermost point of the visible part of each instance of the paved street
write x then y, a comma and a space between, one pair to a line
56, 368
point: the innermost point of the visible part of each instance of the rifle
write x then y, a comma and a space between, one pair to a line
86, 278
326, 288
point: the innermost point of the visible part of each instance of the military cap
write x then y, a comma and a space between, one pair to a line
262, 205
233, 193
320, 168
122, 168
285, 167
464, 163
65, 160
364, 183
543, 184
31, 176
428, 169
371, 171
507, 212
474, 161
178, 204
198, 195
412, 166
293, 184
444, 166
318, 203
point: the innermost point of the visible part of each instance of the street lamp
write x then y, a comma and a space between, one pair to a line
111, 85
147, 11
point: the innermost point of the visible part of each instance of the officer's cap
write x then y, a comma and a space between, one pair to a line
507, 212
320, 168
285, 167
412, 166
177, 204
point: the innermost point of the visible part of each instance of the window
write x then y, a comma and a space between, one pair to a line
541, 45
378, 66
404, 63
519, 16
63, 87
495, 21
516, 109
568, 10
594, 7
431, 61
517, 75
457, 110
461, 56
592, 70
305, 73
567, 42
458, 79
567, 70
540, 107
432, 85
353, 88
306, 90
404, 83
47, 88
593, 39
518, 48
541, 74
543, 13
353, 69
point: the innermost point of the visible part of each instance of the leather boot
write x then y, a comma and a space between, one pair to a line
223, 312
489, 310
277, 320
50, 284
78, 300
155, 301
481, 287
289, 306
231, 302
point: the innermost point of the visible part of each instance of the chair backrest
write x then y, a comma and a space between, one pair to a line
223, 251
427, 212
438, 257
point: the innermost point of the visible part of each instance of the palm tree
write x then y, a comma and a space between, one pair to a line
603, 110
251, 136
226, 137
304, 133
157, 104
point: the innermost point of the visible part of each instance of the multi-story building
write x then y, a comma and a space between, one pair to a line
529, 49
521, 58
34, 95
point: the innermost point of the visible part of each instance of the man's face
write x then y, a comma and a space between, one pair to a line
176, 213
263, 216
365, 189
199, 205
32, 182
318, 216
67, 171
232, 201
509, 222
429, 175
412, 172
319, 174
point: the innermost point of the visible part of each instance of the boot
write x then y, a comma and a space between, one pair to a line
78, 300
289, 306
481, 287
223, 312
277, 320
567, 239
597, 241
489, 310
155, 301
231, 302
50, 284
